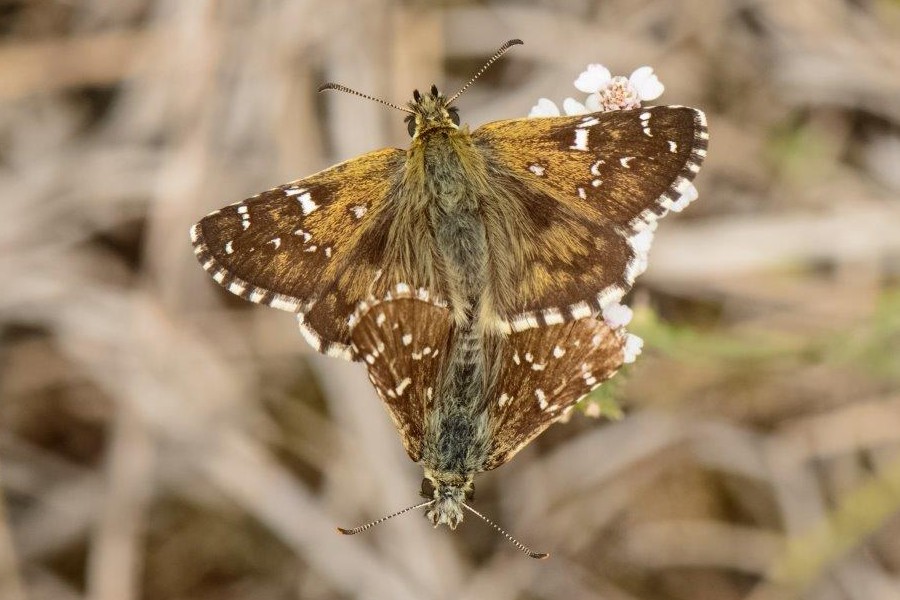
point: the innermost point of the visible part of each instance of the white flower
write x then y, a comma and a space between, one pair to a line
605, 92
544, 108
573, 107
646, 83
618, 95
689, 195
617, 315
633, 346
594, 79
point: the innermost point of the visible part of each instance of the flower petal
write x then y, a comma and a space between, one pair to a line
592, 104
617, 315
646, 83
593, 79
544, 108
633, 347
571, 107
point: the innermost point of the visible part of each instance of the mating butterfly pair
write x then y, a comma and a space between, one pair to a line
470, 273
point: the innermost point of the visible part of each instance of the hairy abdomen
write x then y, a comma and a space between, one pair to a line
456, 432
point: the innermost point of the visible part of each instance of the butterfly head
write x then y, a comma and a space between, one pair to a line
430, 111
449, 493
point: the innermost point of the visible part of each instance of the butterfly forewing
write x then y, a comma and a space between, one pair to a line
543, 372
577, 194
313, 247
403, 343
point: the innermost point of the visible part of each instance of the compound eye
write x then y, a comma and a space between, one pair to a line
411, 125
470, 494
427, 488
454, 116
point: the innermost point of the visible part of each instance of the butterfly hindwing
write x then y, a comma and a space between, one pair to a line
580, 197
403, 342
313, 246
543, 372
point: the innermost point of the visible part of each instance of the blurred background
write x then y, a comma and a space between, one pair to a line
161, 439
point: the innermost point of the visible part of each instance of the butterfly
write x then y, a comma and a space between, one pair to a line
518, 224
459, 417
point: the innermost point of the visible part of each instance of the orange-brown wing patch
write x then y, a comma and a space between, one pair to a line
543, 373
575, 200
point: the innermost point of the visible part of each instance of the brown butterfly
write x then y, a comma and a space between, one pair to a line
518, 224
463, 403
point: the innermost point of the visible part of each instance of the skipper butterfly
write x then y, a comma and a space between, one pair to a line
526, 222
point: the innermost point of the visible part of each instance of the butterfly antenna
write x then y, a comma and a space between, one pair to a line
343, 88
356, 530
490, 61
514, 541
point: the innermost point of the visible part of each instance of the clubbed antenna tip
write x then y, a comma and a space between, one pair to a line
343, 88
356, 530
515, 542
500, 52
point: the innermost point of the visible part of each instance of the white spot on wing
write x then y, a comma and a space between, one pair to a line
504, 398
581, 140
580, 310
625, 160
558, 352
536, 169
359, 211
283, 303
407, 339
401, 387
311, 337
295, 191
541, 398
552, 316
306, 203
673, 146
275, 242
228, 247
